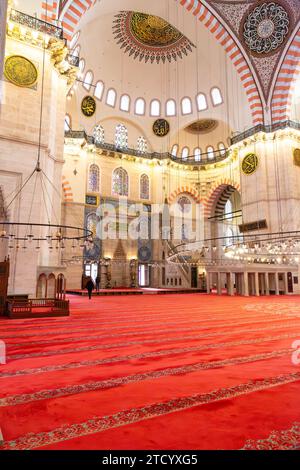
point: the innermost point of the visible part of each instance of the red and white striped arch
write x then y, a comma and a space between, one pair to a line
77, 9
185, 190
234, 53
285, 83
215, 193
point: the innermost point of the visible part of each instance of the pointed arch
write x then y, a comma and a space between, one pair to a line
222, 187
284, 86
75, 9
185, 189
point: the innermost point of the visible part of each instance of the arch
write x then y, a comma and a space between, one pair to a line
67, 190
201, 101
72, 14
155, 108
284, 86
120, 182
94, 178
140, 107
216, 96
99, 89
51, 286
61, 285
186, 106
192, 192
88, 80
41, 287
111, 97
211, 205
144, 186
125, 103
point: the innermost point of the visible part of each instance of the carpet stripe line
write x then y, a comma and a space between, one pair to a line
161, 353
126, 417
149, 341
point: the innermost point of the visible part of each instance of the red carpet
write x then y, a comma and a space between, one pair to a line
154, 372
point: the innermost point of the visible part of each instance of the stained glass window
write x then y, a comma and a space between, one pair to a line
94, 177
91, 223
144, 187
142, 145
98, 134
121, 137
120, 182
184, 203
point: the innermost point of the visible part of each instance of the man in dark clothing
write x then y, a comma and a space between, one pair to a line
97, 283
90, 287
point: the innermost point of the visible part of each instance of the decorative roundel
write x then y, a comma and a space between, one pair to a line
161, 127
20, 71
266, 28
88, 106
296, 155
249, 164
144, 253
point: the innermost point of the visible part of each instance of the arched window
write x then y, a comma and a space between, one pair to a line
120, 182
88, 80
210, 153
121, 137
140, 106
144, 187
170, 108
81, 65
74, 40
174, 150
91, 223
94, 178
222, 149
99, 90
125, 103
141, 145
111, 97
67, 123
185, 204
216, 96
229, 237
76, 51
228, 210
186, 106
155, 108
185, 153
201, 102
98, 134
197, 154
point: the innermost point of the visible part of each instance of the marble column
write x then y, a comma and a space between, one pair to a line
246, 284
276, 283
208, 282
3, 14
256, 284
230, 283
219, 285
285, 283
267, 284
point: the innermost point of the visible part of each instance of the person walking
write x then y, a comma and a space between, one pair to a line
97, 280
90, 287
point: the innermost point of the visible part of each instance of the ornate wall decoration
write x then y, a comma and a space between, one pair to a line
250, 164
149, 38
88, 106
20, 71
202, 126
296, 155
161, 127
266, 28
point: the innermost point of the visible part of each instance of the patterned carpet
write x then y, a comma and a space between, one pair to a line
154, 372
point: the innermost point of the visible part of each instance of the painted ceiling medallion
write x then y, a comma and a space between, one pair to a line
266, 28
149, 38
202, 126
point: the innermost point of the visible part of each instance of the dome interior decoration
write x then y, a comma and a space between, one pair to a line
149, 37
202, 126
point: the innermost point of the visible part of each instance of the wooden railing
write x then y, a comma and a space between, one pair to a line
17, 308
